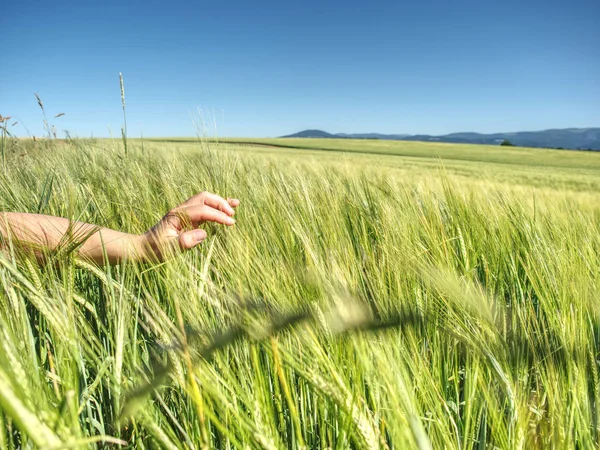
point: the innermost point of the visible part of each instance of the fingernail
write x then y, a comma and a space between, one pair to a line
199, 235
230, 221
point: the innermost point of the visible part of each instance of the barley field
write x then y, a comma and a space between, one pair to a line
372, 295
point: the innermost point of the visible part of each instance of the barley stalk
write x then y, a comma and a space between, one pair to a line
124, 129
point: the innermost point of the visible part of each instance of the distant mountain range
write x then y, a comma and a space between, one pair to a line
567, 138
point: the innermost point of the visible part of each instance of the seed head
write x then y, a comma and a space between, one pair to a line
122, 90
39, 100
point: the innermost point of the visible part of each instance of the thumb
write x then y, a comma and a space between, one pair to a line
190, 239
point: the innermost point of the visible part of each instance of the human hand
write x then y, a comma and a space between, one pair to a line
178, 229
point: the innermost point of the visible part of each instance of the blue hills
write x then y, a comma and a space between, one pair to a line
566, 138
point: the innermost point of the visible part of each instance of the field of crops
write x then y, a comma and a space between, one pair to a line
390, 295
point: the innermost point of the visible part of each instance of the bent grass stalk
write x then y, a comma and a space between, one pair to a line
124, 128
3, 124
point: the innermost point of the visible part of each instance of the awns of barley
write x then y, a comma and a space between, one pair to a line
361, 301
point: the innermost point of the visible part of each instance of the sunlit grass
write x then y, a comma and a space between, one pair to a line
363, 301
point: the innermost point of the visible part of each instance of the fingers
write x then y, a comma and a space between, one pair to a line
178, 229
214, 201
191, 238
218, 202
197, 214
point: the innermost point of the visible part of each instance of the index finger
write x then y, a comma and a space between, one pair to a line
212, 200
197, 214
218, 202
233, 202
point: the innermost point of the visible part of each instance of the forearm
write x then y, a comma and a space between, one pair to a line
40, 233
177, 231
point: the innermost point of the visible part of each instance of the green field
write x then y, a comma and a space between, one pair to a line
372, 294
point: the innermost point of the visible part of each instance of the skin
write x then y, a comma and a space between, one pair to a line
177, 231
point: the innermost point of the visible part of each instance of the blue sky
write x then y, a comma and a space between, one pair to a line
268, 68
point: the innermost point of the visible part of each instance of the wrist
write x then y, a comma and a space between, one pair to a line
140, 247
148, 248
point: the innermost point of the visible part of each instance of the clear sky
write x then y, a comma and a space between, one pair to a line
268, 68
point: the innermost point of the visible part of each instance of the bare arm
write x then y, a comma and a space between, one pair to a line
177, 230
